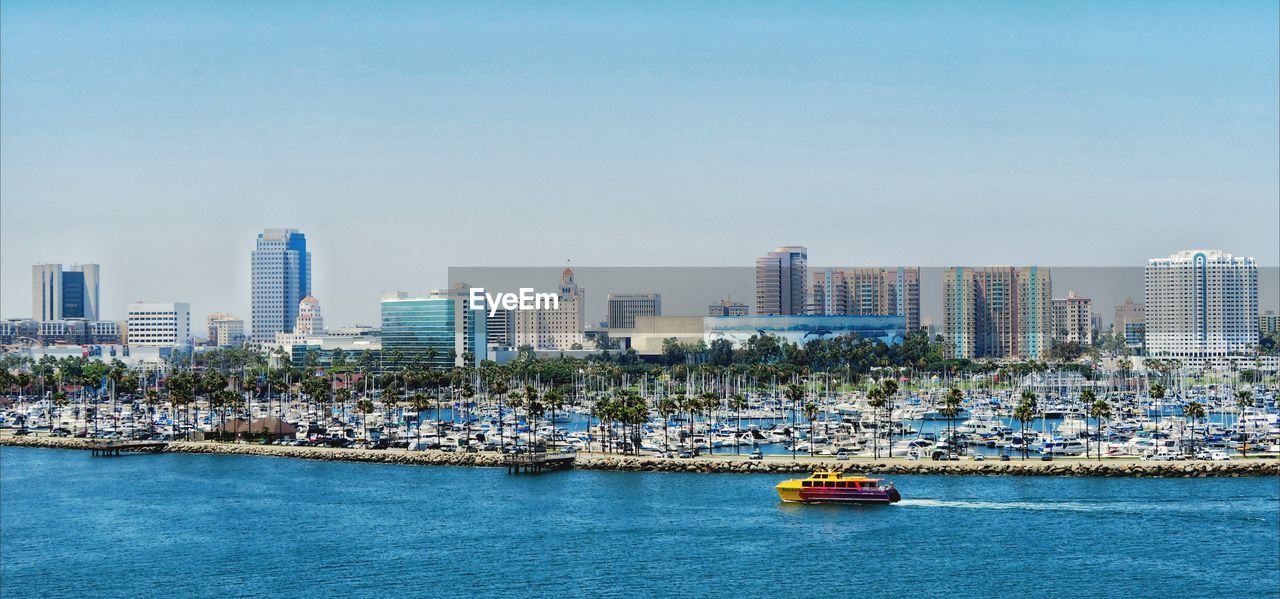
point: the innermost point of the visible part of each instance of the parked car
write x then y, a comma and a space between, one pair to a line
756, 454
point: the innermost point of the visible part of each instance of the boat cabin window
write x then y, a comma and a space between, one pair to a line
806, 484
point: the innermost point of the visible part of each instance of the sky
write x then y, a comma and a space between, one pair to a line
158, 138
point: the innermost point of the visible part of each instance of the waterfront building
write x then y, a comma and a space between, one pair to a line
625, 307
1073, 319
1268, 323
868, 291
58, 294
650, 333
280, 278
562, 327
997, 312
727, 307
1201, 304
781, 276
439, 330
152, 324
51, 332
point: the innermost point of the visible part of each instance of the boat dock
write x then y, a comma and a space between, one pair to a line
115, 448
537, 463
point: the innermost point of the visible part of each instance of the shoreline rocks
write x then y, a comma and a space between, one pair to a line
725, 464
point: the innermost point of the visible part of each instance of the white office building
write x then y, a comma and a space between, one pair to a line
158, 324
281, 278
1201, 304
562, 327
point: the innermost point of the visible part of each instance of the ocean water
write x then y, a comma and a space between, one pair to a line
207, 525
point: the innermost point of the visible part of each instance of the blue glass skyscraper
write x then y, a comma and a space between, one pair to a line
281, 277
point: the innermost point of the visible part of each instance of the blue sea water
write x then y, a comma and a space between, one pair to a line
208, 525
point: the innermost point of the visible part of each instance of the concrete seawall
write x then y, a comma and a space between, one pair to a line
727, 464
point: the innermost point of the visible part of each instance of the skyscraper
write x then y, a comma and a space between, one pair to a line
1201, 304
997, 312
781, 276
57, 294
281, 278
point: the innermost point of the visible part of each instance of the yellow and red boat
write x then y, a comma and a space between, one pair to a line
831, 486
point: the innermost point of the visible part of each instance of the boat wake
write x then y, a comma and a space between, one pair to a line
1008, 505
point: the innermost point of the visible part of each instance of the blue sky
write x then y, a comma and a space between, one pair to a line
403, 138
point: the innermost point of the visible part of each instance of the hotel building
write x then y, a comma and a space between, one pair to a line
555, 328
997, 312
868, 291
1201, 304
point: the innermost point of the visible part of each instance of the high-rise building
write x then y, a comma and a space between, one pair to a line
309, 323
997, 312
625, 307
561, 327
1201, 304
781, 276
868, 291
727, 307
1073, 319
58, 294
439, 330
281, 277
151, 324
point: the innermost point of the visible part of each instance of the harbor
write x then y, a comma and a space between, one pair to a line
223, 525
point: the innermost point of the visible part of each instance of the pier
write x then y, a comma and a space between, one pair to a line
115, 448
537, 463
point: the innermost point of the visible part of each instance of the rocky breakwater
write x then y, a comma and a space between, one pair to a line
711, 464
1110, 468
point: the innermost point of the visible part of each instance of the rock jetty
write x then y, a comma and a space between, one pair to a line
723, 464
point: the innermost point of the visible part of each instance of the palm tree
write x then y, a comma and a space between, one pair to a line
1244, 399
737, 403
811, 414
364, 407
666, 407
951, 408
1087, 398
708, 402
535, 410
1195, 411
499, 389
875, 399
1024, 413
1100, 410
555, 401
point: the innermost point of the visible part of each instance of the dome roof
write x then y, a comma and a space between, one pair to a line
310, 299
568, 272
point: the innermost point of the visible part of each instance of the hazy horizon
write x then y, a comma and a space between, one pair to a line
157, 140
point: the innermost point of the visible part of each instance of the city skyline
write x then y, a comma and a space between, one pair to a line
875, 136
